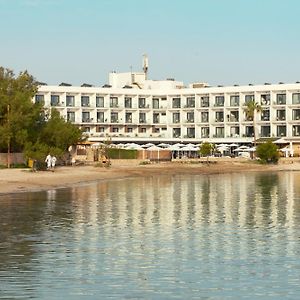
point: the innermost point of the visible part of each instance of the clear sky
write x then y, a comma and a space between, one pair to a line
222, 42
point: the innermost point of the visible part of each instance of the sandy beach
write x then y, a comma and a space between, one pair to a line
24, 180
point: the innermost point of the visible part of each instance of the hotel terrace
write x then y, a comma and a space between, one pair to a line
132, 108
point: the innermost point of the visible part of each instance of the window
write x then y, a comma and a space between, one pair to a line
156, 118
265, 115
100, 129
204, 116
219, 101
85, 116
219, 116
128, 117
155, 103
190, 132
190, 102
142, 117
234, 100
100, 116
129, 129
176, 117
176, 132
296, 98
142, 102
85, 101
128, 102
281, 99
281, 131
39, 98
249, 98
296, 114
115, 129
249, 131
204, 101
205, 132
70, 100
114, 117
71, 116
99, 101
219, 132
113, 102
190, 117
265, 131
176, 102
265, 99
296, 130
233, 116
142, 130
54, 100
234, 131
280, 115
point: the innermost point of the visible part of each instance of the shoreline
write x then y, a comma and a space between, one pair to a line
24, 180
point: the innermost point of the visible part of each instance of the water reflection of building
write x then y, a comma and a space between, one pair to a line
243, 199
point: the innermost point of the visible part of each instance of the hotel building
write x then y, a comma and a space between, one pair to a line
132, 108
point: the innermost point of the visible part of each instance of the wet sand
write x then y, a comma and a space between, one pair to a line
24, 180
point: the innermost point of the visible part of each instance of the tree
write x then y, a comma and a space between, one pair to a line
205, 149
24, 126
267, 152
55, 136
251, 109
17, 111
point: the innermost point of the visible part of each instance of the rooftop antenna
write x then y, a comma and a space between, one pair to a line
145, 65
132, 77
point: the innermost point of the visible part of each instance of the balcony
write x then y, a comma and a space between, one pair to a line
87, 120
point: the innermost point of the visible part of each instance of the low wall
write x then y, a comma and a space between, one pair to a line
15, 158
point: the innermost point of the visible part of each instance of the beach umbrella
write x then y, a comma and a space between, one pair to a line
179, 145
222, 148
280, 141
241, 149
97, 145
154, 148
148, 145
163, 145
174, 148
222, 145
253, 149
233, 145
133, 146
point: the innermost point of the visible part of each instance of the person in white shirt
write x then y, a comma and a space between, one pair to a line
53, 162
48, 161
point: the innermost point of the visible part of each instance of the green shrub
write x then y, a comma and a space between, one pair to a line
267, 152
115, 153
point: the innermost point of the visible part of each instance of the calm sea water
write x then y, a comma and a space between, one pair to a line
230, 236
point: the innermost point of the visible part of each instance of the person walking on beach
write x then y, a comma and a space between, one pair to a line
48, 161
53, 162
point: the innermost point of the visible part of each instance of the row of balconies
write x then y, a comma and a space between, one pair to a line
142, 121
148, 106
174, 135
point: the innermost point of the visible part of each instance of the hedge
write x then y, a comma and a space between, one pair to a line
122, 153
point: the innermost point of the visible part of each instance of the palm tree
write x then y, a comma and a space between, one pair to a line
250, 110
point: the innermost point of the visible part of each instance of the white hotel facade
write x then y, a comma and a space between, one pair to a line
133, 109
